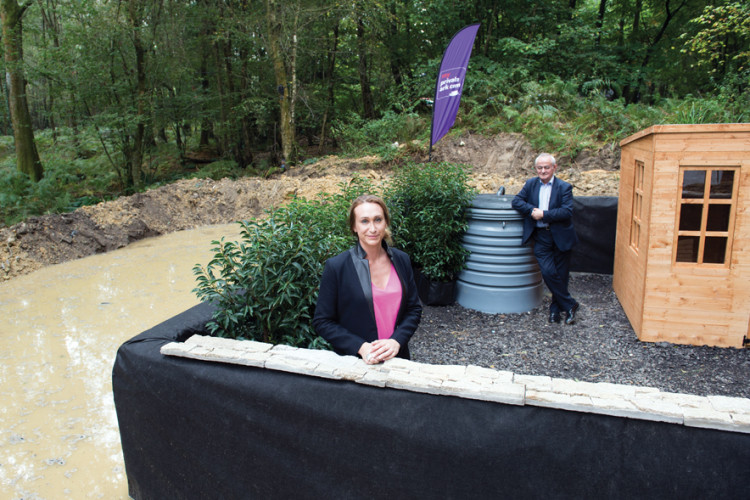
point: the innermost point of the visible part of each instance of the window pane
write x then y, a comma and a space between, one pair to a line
722, 182
693, 183
715, 250
687, 248
690, 217
718, 218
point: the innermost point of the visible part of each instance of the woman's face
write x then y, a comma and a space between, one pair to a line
369, 224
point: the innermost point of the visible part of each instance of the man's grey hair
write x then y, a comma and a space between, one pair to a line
545, 156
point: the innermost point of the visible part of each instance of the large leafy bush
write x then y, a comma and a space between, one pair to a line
266, 285
427, 203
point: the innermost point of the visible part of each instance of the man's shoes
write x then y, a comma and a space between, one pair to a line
571, 316
554, 317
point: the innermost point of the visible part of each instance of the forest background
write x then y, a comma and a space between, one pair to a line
111, 97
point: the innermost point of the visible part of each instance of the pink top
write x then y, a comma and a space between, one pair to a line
387, 302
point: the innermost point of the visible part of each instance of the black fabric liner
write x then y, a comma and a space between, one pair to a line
595, 222
196, 429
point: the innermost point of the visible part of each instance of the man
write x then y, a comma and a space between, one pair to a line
546, 203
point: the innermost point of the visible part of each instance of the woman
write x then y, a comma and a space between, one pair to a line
368, 303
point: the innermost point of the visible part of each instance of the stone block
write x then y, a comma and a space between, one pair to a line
445, 372
505, 392
473, 371
687, 400
707, 418
400, 364
534, 382
374, 378
741, 422
560, 401
412, 382
462, 388
618, 407
291, 365
730, 404
657, 409
256, 359
223, 354
173, 349
349, 371
253, 346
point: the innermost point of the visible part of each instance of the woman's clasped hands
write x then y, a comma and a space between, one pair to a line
378, 351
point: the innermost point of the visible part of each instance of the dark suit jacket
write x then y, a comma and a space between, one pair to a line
559, 216
344, 314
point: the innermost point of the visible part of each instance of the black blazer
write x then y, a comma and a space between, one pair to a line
344, 314
559, 216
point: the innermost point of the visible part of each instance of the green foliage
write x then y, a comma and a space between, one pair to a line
74, 176
715, 110
218, 170
723, 39
357, 135
266, 285
427, 203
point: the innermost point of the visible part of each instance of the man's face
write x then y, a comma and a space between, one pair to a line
545, 169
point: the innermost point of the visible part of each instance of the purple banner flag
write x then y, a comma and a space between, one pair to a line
450, 82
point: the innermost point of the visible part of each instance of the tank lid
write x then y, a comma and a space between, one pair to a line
493, 201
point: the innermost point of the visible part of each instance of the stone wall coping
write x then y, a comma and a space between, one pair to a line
475, 382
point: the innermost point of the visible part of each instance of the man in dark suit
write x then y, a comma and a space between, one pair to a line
546, 203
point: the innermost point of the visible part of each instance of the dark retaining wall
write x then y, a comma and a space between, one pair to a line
195, 429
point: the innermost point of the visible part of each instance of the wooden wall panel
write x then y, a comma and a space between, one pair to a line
630, 265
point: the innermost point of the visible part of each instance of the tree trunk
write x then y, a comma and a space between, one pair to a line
50, 25
368, 105
331, 84
600, 20
27, 156
282, 83
136, 152
636, 20
206, 132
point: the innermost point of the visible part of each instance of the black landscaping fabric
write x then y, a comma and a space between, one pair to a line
595, 221
196, 429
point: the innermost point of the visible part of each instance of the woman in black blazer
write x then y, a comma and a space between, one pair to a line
362, 308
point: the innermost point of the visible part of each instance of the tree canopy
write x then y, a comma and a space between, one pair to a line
247, 76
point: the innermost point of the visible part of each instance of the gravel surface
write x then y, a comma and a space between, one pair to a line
600, 347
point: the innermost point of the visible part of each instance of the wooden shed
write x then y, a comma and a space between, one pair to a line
682, 252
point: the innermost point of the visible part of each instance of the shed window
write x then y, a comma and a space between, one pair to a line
705, 218
637, 220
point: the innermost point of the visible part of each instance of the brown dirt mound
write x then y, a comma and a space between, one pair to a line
503, 160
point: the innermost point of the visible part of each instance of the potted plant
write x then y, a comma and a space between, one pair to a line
427, 203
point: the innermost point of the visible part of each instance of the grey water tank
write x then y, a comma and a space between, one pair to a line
501, 275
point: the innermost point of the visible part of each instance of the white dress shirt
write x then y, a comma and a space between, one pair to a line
545, 191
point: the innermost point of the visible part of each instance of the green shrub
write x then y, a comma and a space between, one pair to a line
357, 135
266, 286
219, 170
427, 203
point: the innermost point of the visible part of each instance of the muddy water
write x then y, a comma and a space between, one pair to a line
60, 328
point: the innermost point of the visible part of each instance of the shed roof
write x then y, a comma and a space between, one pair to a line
685, 128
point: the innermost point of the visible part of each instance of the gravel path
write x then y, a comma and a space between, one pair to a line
600, 347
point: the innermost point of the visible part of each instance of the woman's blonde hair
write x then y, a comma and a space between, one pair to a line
371, 198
